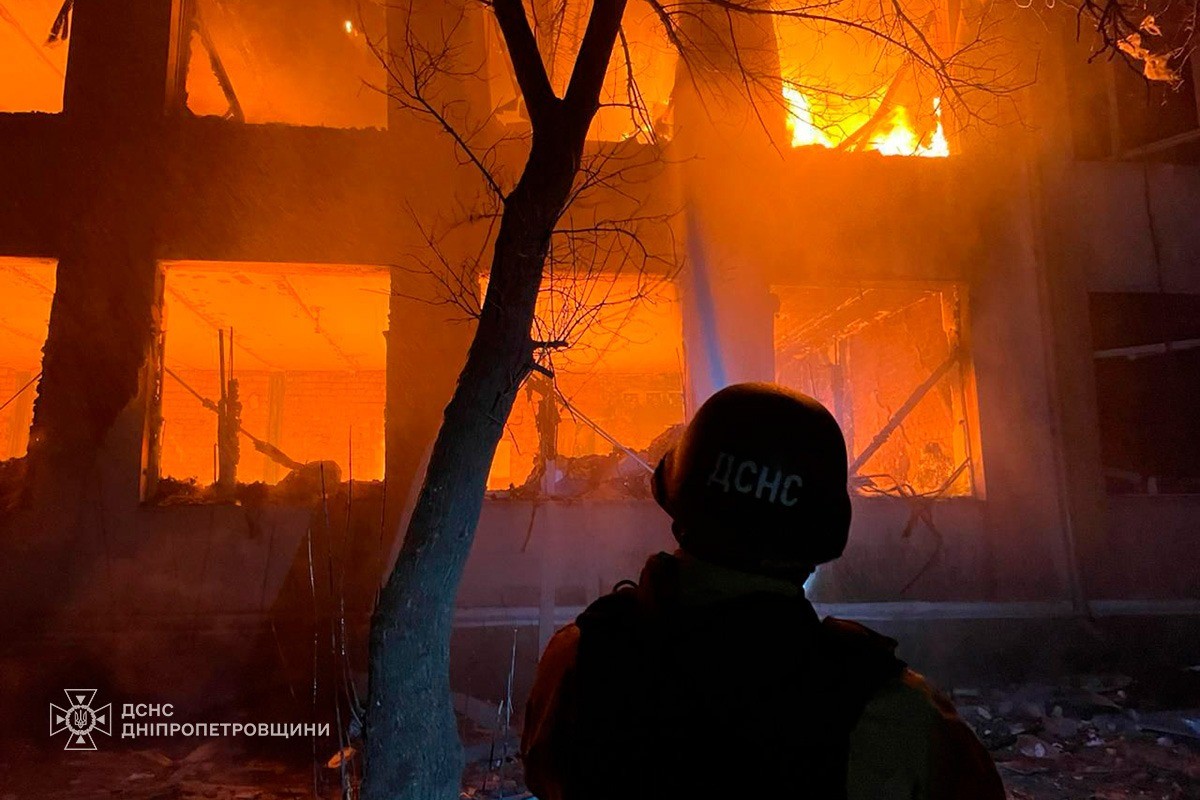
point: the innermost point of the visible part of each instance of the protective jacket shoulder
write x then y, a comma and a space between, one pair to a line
904, 741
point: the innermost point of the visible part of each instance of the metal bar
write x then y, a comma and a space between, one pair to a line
1137, 153
1142, 350
267, 448
21, 391
603, 433
8, 17
898, 418
221, 361
218, 69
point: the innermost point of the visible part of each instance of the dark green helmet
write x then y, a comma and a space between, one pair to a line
758, 480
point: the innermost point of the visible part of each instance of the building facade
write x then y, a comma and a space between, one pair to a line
1006, 331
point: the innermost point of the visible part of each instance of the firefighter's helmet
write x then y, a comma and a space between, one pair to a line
758, 480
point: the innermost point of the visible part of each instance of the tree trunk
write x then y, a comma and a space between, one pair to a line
413, 750
412, 746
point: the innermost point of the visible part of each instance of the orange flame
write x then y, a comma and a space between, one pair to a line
896, 136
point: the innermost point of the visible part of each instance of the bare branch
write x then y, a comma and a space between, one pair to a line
414, 74
526, 60
591, 65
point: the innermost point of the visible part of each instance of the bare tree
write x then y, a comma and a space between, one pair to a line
412, 738
540, 229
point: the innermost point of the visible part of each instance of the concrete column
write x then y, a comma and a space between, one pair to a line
426, 349
89, 418
1011, 351
427, 338
1072, 382
726, 143
121, 81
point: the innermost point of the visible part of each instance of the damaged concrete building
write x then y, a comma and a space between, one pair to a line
216, 203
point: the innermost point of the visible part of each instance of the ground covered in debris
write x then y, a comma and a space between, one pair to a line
1092, 737
1087, 738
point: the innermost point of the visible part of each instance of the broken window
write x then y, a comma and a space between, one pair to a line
889, 362
27, 286
615, 398
309, 63
849, 90
839, 88
32, 68
1147, 351
305, 345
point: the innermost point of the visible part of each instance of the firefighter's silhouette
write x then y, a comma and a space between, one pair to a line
713, 676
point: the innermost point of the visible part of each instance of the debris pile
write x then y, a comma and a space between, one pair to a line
614, 476
1097, 737
301, 486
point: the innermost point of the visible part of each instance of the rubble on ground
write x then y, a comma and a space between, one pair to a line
213, 770
1097, 737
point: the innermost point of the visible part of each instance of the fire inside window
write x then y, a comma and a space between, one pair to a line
848, 91
838, 88
891, 364
615, 399
308, 357
27, 285
32, 67
310, 63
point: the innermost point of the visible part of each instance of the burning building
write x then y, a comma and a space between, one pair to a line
216, 228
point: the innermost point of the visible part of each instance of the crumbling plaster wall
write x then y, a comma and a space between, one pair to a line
1101, 225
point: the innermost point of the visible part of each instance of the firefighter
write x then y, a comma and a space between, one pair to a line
712, 676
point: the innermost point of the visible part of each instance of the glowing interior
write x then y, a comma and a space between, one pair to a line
865, 352
624, 372
845, 89
307, 63
27, 286
309, 355
32, 71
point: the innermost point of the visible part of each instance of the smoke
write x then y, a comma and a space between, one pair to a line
708, 370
